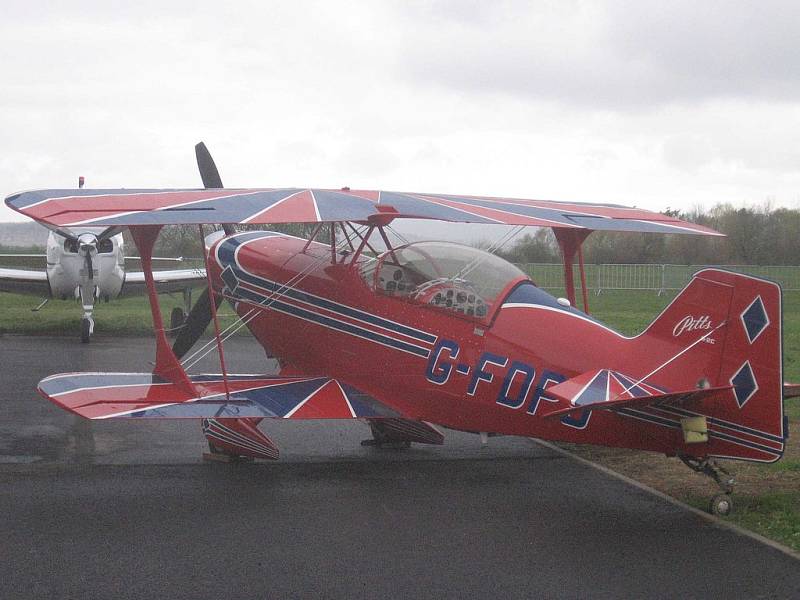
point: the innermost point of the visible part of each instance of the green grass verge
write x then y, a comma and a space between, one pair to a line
773, 515
126, 316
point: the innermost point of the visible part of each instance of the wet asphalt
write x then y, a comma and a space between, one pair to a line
120, 509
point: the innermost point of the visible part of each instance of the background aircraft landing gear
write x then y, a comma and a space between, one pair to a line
721, 504
87, 328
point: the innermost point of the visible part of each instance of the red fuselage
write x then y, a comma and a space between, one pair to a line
481, 374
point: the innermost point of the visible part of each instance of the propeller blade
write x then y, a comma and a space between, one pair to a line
208, 169
109, 232
210, 176
62, 232
89, 266
196, 322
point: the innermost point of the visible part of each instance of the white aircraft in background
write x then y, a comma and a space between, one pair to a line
89, 264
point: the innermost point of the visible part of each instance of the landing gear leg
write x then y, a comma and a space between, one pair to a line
87, 328
87, 293
721, 504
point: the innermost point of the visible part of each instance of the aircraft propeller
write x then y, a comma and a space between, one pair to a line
200, 315
210, 176
87, 247
194, 326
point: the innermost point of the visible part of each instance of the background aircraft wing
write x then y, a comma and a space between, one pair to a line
174, 280
24, 281
120, 207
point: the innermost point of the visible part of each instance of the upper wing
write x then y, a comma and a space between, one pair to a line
22, 281
175, 280
185, 206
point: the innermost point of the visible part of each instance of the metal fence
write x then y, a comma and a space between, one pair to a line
659, 278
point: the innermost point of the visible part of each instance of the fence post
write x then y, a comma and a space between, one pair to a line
599, 279
663, 274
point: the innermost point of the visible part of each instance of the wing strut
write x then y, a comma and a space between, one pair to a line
213, 306
167, 365
571, 242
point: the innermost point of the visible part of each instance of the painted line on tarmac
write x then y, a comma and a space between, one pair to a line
646, 488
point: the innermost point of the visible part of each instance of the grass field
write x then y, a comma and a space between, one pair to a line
767, 496
127, 316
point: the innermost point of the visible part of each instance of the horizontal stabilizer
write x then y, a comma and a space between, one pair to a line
608, 390
144, 395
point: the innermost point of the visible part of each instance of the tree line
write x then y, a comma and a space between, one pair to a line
754, 236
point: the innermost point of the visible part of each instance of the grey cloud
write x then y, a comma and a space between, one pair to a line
629, 55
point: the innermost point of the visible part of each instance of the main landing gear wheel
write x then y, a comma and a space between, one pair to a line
86, 330
381, 439
217, 454
176, 320
721, 505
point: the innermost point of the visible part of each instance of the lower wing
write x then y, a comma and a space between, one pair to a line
144, 395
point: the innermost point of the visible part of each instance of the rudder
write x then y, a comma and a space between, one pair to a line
725, 329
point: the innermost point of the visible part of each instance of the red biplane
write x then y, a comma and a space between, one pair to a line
418, 336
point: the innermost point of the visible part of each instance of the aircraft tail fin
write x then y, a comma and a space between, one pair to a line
713, 355
725, 329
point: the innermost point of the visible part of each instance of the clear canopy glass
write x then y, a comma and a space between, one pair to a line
442, 274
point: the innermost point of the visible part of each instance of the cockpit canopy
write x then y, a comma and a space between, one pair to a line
442, 274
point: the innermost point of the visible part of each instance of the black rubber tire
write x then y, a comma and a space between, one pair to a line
721, 505
86, 333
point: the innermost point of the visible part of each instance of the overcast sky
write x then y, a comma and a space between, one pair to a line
662, 104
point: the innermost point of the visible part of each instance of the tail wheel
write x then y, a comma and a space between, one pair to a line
721, 505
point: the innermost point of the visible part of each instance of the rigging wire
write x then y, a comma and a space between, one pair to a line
491, 250
232, 329
397, 234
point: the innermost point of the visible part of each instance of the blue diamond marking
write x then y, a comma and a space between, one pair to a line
755, 319
744, 384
